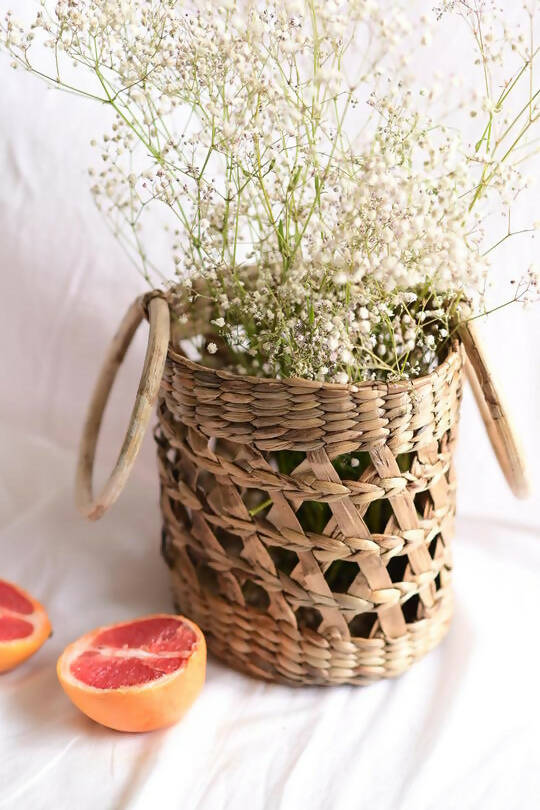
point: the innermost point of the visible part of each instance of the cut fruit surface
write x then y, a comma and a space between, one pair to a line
138, 675
24, 625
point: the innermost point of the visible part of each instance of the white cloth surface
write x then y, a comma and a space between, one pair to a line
459, 730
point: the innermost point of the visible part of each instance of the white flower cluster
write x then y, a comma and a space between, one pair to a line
323, 255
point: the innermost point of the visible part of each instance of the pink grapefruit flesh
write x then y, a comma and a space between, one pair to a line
138, 675
24, 625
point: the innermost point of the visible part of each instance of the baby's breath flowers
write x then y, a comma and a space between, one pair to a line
334, 223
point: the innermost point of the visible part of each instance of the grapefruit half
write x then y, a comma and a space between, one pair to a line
24, 625
138, 675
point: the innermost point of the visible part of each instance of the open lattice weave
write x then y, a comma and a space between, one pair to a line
263, 588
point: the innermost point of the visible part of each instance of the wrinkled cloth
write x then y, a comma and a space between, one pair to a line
460, 729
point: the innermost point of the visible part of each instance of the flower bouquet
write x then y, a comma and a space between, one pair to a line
328, 226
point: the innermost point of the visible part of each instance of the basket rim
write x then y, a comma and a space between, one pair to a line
452, 358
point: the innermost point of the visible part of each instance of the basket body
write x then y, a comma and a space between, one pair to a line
260, 584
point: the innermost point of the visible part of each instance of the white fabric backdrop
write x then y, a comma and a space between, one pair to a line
459, 730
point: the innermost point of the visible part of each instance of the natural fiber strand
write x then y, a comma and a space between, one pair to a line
217, 438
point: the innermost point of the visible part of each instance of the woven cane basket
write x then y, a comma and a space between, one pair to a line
263, 588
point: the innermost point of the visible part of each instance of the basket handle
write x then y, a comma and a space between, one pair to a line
154, 362
494, 413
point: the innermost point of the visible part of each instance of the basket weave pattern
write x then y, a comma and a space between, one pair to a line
259, 585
